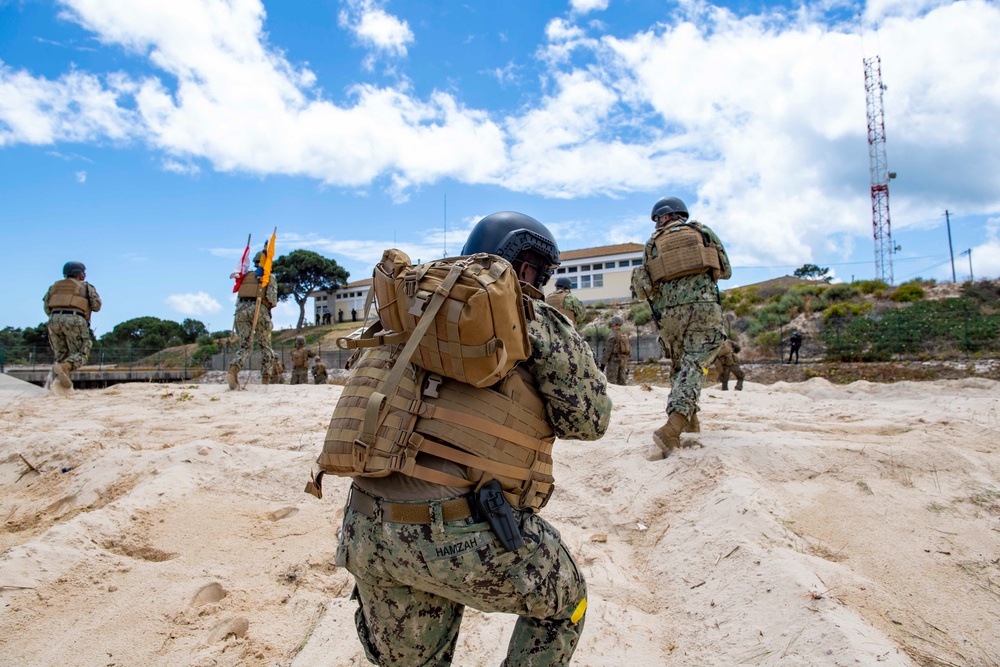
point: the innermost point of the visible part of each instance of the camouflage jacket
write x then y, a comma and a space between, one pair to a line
574, 389
700, 288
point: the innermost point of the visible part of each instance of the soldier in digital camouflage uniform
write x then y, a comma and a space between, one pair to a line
415, 577
319, 371
567, 304
688, 314
69, 303
300, 361
728, 363
246, 307
617, 348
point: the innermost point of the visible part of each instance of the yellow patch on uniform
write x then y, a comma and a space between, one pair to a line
578, 613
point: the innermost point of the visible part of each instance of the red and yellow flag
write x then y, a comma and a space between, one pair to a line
268, 259
242, 268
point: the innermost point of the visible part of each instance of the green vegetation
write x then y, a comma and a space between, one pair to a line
639, 313
908, 292
302, 272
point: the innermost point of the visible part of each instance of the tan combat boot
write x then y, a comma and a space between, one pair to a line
233, 378
62, 372
668, 436
694, 426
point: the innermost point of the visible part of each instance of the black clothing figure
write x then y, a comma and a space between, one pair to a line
354, 314
795, 342
340, 315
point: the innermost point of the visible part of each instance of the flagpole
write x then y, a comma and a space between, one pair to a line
260, 287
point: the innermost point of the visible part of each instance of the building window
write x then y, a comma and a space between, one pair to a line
636, 262
585, 267
584, 282
561, 269
598, 280
572, 269
572, 283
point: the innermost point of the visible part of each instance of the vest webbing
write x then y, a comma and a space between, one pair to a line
69, 293
499, 432
250, 287
558, 300
683, 250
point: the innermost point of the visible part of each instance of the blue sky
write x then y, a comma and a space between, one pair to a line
148, 138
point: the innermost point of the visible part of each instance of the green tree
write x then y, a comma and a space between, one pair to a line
145, 333
193, 329
302, 272
813, 272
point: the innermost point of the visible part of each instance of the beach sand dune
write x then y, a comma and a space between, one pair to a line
808, 524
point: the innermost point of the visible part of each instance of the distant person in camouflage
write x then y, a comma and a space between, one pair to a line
69, 303
728, 363
617, 349
319, 371
418, 552
566, 303
682, 264
300, 361
246, 308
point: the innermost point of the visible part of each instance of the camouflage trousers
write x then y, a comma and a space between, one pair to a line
300, 375
262, 336
320, 378
69, 337
616, 371
693, 334
413, 582
735, 370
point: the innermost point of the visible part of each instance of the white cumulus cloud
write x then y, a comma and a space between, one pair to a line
200, 303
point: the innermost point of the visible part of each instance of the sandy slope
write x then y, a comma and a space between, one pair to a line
815, 525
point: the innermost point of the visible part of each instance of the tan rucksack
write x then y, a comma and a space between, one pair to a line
466, 314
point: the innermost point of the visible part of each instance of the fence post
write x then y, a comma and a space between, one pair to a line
965, 323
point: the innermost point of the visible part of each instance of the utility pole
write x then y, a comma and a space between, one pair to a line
968, 252
445, 225
951, 251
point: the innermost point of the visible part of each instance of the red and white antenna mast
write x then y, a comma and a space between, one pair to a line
880, 174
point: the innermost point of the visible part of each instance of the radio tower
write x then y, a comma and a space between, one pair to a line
879, 171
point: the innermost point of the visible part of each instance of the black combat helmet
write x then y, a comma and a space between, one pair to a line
668, 205
257, 257
564, 283
508, 234
71, 269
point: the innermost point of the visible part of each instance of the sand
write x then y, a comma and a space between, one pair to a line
809, 524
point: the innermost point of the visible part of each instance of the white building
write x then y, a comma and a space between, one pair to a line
597, 274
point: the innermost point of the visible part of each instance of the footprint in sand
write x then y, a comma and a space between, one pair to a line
208, 594
236, 626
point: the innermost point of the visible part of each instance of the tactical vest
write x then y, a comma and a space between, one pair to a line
624, 345
683, 250
500, 432
558, 300
250, 287
300, 356
69, 293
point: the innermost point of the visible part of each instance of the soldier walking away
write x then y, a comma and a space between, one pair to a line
566, 303
354, 314
425, 544
246, 308
617, 349
319, 371
727, 362
682, 264
794, 342
300, 361
69, 303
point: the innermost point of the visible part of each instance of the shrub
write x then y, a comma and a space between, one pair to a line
847, 310
874, 287
204, 339
908, 292
839, 292
640, 313
768, 340
204, 353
